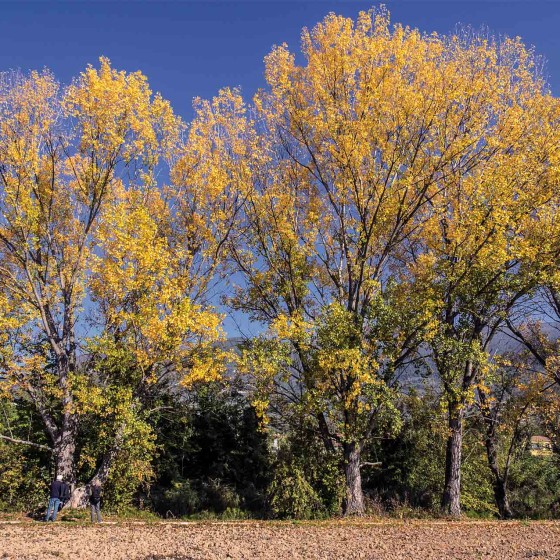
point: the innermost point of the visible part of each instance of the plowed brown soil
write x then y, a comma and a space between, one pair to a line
386, 540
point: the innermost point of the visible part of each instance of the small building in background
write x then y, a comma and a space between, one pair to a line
540, 446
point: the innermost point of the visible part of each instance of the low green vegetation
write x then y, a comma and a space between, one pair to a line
214, 461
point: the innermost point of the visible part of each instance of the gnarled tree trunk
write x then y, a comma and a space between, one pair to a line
79, 496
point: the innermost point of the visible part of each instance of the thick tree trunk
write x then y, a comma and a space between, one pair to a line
67, 434
65, 449
354, 502
451, 499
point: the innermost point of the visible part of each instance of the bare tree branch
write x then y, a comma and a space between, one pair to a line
25, 442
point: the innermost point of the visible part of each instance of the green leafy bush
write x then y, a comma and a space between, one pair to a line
535, 486
24, 479
291, 496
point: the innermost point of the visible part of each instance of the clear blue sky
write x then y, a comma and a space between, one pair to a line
190, 49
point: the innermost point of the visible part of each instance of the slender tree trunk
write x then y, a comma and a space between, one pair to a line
490, 416
324, 432
451, 499
354, 502
501, 497
499, 482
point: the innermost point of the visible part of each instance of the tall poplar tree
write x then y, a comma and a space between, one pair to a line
98, 262
353, 169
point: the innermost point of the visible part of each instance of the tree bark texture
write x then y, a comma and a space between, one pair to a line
451, 499
354, 502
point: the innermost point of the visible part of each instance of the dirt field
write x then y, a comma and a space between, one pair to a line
421, 540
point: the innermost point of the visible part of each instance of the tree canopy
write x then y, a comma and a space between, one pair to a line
383, 210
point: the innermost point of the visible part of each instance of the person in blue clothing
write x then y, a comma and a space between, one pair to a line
95, 501
57, 493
